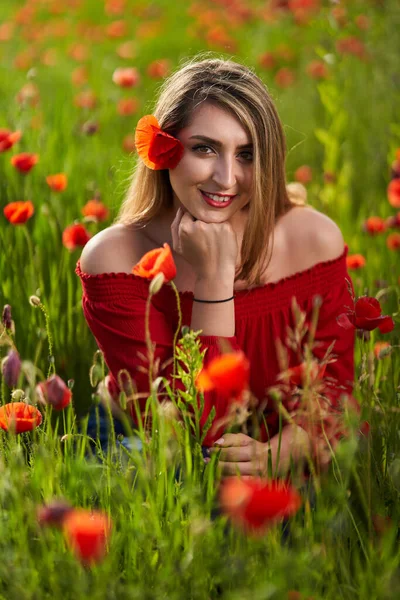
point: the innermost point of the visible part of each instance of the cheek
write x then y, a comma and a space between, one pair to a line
189, 171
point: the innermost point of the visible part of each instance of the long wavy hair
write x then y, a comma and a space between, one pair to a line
237, 89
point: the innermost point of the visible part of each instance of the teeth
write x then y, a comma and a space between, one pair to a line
217, 198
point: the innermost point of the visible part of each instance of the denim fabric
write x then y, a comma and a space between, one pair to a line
99, 427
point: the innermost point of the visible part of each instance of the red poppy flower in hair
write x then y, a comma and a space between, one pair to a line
157, 149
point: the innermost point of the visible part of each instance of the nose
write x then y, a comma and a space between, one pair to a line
225, 173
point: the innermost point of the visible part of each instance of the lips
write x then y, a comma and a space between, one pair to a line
216, 204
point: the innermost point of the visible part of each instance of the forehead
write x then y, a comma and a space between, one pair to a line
215, 122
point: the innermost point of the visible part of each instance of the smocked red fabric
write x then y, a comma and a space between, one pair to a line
114, 306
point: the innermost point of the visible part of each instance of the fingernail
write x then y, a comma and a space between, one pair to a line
220, 441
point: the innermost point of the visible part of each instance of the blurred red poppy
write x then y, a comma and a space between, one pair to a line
298, 374
87, 534
58, 182
24, 162
355, 261
382, 349
127, 50
19, 417
54, 392
393, 221
317, 69
127, 106
285, 77
126, 77
393, 241
86, 99
79, 76
228, 374
75, 236
128, 143
254, 504
303, 174
96, 209
367, 315
159, 68
374, 225
18, 212
8, 139
393, 192
351, 45
117, 29
156, 261
267, 60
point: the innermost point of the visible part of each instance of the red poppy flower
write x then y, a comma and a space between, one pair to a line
8, 139
19, 417
87, 534
284, 77
267, 60
159, 68
382, 349
128, 143
96, 209
117, 29
79, 76
126, 77
317, 69
374, 225
57, 183
18, 212
367, 315
393, 192
254, 504
127, 106
303, 174
298, 374
355, 261
75, 236
127, 50
86, 99
228, 373
54, 392
156, 261
157, 149
393, 241
351, 45
24, 162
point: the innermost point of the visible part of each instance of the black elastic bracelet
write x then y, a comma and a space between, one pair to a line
212, 301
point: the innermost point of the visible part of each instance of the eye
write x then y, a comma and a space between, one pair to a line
249, 157
200, 147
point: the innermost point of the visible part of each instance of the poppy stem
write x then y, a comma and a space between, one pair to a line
178, 304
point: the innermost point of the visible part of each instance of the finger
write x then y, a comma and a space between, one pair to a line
234, 454
244, 468
175, 230
233, 439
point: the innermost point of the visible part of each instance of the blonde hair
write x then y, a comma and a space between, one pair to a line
237, 89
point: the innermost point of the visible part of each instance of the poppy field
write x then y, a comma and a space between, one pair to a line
149, 518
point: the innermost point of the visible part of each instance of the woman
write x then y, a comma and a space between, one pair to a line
243, 249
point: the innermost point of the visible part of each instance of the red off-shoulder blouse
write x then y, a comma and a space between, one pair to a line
114, 306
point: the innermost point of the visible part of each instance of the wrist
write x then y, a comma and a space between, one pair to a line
213, 288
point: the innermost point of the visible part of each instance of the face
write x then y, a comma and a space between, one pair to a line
217, 160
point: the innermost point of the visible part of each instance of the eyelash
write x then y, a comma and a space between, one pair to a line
204, 146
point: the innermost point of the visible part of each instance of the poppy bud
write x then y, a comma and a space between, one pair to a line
11, 367
34, 301
54, 392
6, 317
53, 513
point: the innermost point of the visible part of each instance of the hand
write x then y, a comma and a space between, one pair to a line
210, 248
239, 453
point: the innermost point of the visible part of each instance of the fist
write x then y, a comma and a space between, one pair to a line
210, 248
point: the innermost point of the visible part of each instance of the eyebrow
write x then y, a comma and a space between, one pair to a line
217, 143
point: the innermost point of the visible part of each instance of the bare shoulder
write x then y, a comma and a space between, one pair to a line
315, 236
113, 250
